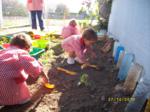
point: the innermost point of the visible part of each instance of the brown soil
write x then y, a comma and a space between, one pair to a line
69, 96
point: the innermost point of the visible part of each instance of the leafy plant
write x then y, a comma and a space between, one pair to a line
47, 56
96, 10
90, 10
84, 80
4, 40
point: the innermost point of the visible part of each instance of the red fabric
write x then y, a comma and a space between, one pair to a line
15, 66
69, 30
37, 36
29, 1
82, 43
35, 5
75, 44
6, 45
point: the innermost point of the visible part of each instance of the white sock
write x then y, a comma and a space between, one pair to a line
70, 60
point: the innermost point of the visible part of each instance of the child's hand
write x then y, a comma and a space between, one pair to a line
44, 78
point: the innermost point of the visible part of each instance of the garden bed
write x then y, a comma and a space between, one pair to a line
69, 95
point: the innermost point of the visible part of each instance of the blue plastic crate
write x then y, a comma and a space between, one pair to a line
119, 49
125, 66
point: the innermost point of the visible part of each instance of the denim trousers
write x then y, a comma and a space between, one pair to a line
37, 14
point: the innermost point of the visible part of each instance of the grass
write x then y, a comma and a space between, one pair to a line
21, 21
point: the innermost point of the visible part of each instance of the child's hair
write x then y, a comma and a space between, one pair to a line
72, 21
89, 34
21, 40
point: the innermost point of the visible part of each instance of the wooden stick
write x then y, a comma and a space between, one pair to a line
88, 65
66, 71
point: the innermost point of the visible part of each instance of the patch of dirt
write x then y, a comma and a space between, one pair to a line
69, 96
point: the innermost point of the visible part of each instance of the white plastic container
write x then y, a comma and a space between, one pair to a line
121, 55
116, 44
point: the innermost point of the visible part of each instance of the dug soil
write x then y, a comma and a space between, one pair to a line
96, 93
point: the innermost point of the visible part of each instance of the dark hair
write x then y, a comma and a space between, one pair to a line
89, 34
21, 40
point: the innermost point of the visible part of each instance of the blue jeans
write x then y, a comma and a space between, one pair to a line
33, 18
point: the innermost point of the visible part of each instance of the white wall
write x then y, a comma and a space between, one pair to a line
1, 13
130, 24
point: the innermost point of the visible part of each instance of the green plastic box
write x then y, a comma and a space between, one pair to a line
1, 47
36, 52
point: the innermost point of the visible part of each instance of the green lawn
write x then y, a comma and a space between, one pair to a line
21, 21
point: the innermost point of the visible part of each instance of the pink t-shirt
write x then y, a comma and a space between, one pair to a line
33, 5
69, 30
16, 65
74, 44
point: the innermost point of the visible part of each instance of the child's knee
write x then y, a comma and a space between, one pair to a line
72, 54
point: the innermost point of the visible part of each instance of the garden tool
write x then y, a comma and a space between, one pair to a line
46, 82
89, 65
66, 71
99, 68
49, 86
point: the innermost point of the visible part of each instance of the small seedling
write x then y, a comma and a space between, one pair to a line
84, 80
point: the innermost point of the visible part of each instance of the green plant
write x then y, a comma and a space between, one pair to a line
98, 10
84, 80
4, 40
91, 10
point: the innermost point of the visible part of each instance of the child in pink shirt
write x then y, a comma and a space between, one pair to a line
36, 9
15, 66
76, 45
71, 29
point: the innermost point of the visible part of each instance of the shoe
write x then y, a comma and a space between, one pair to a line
70, 61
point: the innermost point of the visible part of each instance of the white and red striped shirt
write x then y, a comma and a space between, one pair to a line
74, 43
69, 30
15, 66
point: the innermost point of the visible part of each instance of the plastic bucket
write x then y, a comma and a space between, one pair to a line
40, 43
125, 66
37, 37
6, 45
121, 55
116, 44
133, 76
119, 49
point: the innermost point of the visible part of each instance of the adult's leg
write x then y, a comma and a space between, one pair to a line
33, 19
40, 19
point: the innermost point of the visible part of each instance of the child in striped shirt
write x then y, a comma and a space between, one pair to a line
76, 45
15, 66
71, 29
